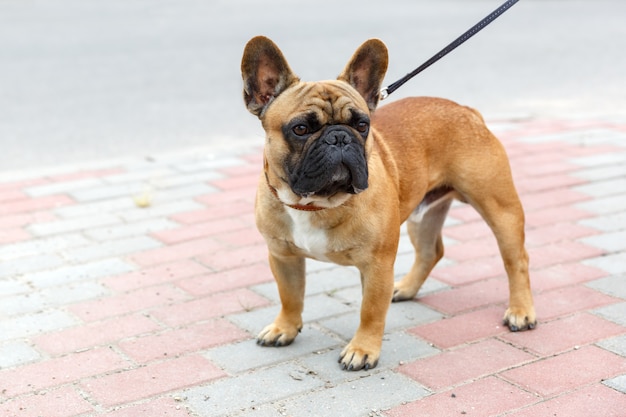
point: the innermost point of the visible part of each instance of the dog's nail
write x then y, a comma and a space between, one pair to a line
532, 326
351, 367
513, 328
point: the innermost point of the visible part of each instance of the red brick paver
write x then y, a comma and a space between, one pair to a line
596, 400
465, 363
151, 380
481, 398
62, 402
568, 371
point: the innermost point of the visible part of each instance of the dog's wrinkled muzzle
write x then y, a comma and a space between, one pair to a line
334, 163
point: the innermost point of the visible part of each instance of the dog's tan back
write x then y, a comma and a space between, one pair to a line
434, 142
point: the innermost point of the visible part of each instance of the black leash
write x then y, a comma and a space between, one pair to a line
385, 92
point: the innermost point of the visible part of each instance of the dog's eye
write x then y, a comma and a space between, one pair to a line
362, 127
300, 130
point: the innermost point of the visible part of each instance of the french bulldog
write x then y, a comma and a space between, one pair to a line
340, 177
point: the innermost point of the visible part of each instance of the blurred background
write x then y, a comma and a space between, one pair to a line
91, 79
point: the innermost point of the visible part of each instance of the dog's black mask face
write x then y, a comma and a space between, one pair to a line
330, 160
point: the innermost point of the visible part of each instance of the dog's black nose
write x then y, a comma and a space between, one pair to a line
338, 138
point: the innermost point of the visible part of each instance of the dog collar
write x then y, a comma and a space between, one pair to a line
300, 207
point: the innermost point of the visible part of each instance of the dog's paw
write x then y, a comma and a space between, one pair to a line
518, 319
353, 358
404, 290
400, 294
274, 335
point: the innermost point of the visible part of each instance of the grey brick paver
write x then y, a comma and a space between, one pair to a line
608, 160
232, 395
185, 191
330, 280
72, 225
42, 245
72, 273
316, 307
109, 191
583, 137
613, 264
614, 285
409, 314
611, 242
158, 210
139, 228
50, 297
16, 353
111, 249
135, 175
32, 324
618, 383
604, 188
63, 187
607, 223
400, 315
615, 344
111, 205
12, 286
361, 397
614, 312
248, 355
405, 261
24, 265
208, 164
177, 179
398, 348
265, 410
605, 171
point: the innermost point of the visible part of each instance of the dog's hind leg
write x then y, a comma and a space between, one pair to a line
492, 193
424, 227
504, 214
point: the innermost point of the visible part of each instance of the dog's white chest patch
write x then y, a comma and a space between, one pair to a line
310, 239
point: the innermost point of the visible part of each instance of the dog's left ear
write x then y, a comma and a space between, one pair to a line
265, 74
366, 70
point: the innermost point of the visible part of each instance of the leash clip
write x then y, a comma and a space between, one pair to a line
384, 93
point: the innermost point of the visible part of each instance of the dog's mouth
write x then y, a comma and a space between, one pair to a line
340, 182
332, 164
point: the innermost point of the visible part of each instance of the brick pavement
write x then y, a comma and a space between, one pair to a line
135, 287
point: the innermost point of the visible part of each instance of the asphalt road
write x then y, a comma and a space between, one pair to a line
88, 79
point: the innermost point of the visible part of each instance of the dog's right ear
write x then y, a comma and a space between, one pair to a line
265, 74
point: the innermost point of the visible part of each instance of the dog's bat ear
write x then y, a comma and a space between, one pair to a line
366, 70
265, 74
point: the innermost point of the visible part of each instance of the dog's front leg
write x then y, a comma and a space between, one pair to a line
363, 350
289, 273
